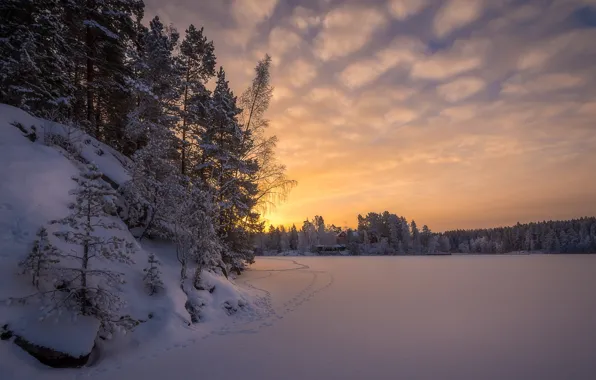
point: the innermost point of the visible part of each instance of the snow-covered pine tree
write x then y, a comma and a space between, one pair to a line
444, 244
194, 234
152, 277
155, 187
93, 289
35, 56
416, 244
394, 232
224, 167
433, 244
104, 33
406, 237
425, 237
197, 66
41, 262
156, 84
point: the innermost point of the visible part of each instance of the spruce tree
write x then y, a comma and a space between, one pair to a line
93, 290
41, 262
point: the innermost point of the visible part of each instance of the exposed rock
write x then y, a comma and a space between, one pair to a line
194, 310
46, 355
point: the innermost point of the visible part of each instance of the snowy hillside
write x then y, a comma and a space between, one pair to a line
39, 159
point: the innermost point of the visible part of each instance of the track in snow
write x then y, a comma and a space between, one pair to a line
264, 315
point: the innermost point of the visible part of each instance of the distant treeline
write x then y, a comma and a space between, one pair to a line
389, 234
561, 236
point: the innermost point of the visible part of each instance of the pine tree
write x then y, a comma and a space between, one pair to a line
109, 31
224, 166
293, 238
444, 244
41, 262
93, 290
425, 238
194, 236
155, 187
284, 239
156, 85
152, 277
34, 56
406, 237
416, 244
197, 66
394, 232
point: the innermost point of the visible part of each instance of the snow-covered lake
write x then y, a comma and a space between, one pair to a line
459, 317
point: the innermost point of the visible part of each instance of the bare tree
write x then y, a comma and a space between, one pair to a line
273, 184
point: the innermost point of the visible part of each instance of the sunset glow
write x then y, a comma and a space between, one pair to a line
459, 113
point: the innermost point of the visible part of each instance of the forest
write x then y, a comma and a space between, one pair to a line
389, 234
202, 165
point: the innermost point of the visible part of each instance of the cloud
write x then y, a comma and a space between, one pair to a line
401, 51
297, 111
444, 67
280, 93
461, 88
281, 41
542, 84
573, 43
248, 14
403, 9
400, 115
301, 73
252, 12
523, 13
304, 18
464, 56
347, 29
460, 113
329, 96
456, 14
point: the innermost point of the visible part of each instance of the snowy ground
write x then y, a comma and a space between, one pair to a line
35, 180
472, 317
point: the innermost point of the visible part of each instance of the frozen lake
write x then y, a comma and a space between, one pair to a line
459, 317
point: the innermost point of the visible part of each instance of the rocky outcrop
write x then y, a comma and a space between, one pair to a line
45, 355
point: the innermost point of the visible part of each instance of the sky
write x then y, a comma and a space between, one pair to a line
454, 113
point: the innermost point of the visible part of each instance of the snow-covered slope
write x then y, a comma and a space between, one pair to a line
35, 180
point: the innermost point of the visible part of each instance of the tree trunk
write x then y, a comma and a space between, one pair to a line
89, 48
183, 156
85, 304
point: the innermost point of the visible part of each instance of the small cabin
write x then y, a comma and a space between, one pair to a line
342, 238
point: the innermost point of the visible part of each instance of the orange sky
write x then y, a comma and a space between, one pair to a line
458, 114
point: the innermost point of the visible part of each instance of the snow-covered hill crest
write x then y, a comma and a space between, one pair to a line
39, 159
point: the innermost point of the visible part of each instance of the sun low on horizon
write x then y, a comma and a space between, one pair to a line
456, 113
